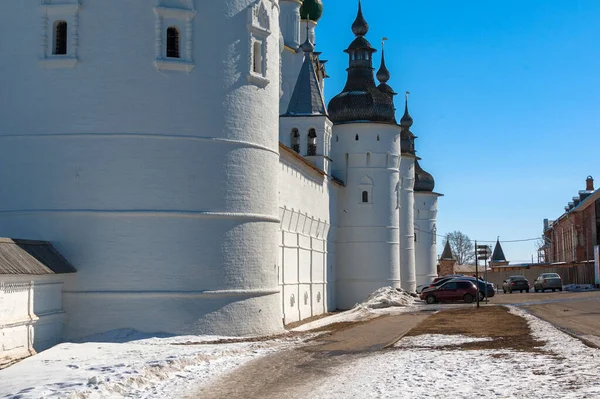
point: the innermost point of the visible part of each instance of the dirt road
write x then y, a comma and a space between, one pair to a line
276, 375
575, 312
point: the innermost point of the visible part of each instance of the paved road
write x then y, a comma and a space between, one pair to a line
276, 375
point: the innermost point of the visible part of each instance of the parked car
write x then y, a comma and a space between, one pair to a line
435, 280
546, 281
450, 291
515, 283
484, 290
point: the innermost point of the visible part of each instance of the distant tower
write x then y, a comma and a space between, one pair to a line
148, 156
407, 199
447, 260
305, 127
366, 155
295, 15
498, 258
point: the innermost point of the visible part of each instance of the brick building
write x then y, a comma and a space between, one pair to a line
571, 237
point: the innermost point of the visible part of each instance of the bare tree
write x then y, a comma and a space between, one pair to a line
462, 247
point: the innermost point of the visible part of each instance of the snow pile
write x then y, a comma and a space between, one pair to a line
384, 301
145, 368
579, 287
437, 340
388, 297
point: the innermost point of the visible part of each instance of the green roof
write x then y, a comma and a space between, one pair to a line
312, 9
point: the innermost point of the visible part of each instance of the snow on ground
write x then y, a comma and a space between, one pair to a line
133, 365
579, 287
386, 300
565, 369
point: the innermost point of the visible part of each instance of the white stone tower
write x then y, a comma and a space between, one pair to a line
407, 199
419, 246
366, 156
426, 206
163, 197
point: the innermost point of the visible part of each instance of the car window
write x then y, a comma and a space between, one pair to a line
517, 278
463, 285
550, 275
449, 287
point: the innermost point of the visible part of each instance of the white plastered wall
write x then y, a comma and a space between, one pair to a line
306, 263
426, 205
31, 315
368, 233
159, 185
407, 223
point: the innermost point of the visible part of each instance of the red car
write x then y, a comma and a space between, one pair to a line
450, 291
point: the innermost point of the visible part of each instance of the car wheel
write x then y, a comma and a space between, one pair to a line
468, 298
430, 299
504, 290
553, 290
560, 289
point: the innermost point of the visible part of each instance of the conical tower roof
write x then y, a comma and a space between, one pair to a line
447, 254
307, 98
498, 255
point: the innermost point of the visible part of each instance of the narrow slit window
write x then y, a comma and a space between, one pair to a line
173, 43
365, 196
377, 137
356, 138
257, 61
312, 142
60, 38
295, 140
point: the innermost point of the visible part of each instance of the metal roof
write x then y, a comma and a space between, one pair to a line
307, 98
498, 255
31, 258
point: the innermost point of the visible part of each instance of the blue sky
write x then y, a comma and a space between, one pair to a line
505, 96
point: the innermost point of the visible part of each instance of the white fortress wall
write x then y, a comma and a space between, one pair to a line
306, 264
426, 205
157, 179
368, 232
31, 316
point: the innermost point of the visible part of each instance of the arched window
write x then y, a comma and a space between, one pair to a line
257, 61
368, 159
312, 142
356, 138
295, 140
172, 43
60, 38
365, 196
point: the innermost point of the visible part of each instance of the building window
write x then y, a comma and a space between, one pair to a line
434, 234
365, 197
60, 38
356, 138
377, 137
295, 140
173, 43
337, 138
257, 58
312, 142
174, 32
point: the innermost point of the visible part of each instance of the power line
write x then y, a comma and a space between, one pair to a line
492, 241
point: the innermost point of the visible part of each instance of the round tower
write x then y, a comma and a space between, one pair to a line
141, 139
366, 154
407, 198
426, 205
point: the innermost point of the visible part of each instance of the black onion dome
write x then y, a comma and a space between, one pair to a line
361, 100
383, 75
360, 27
423, 180
407, 120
